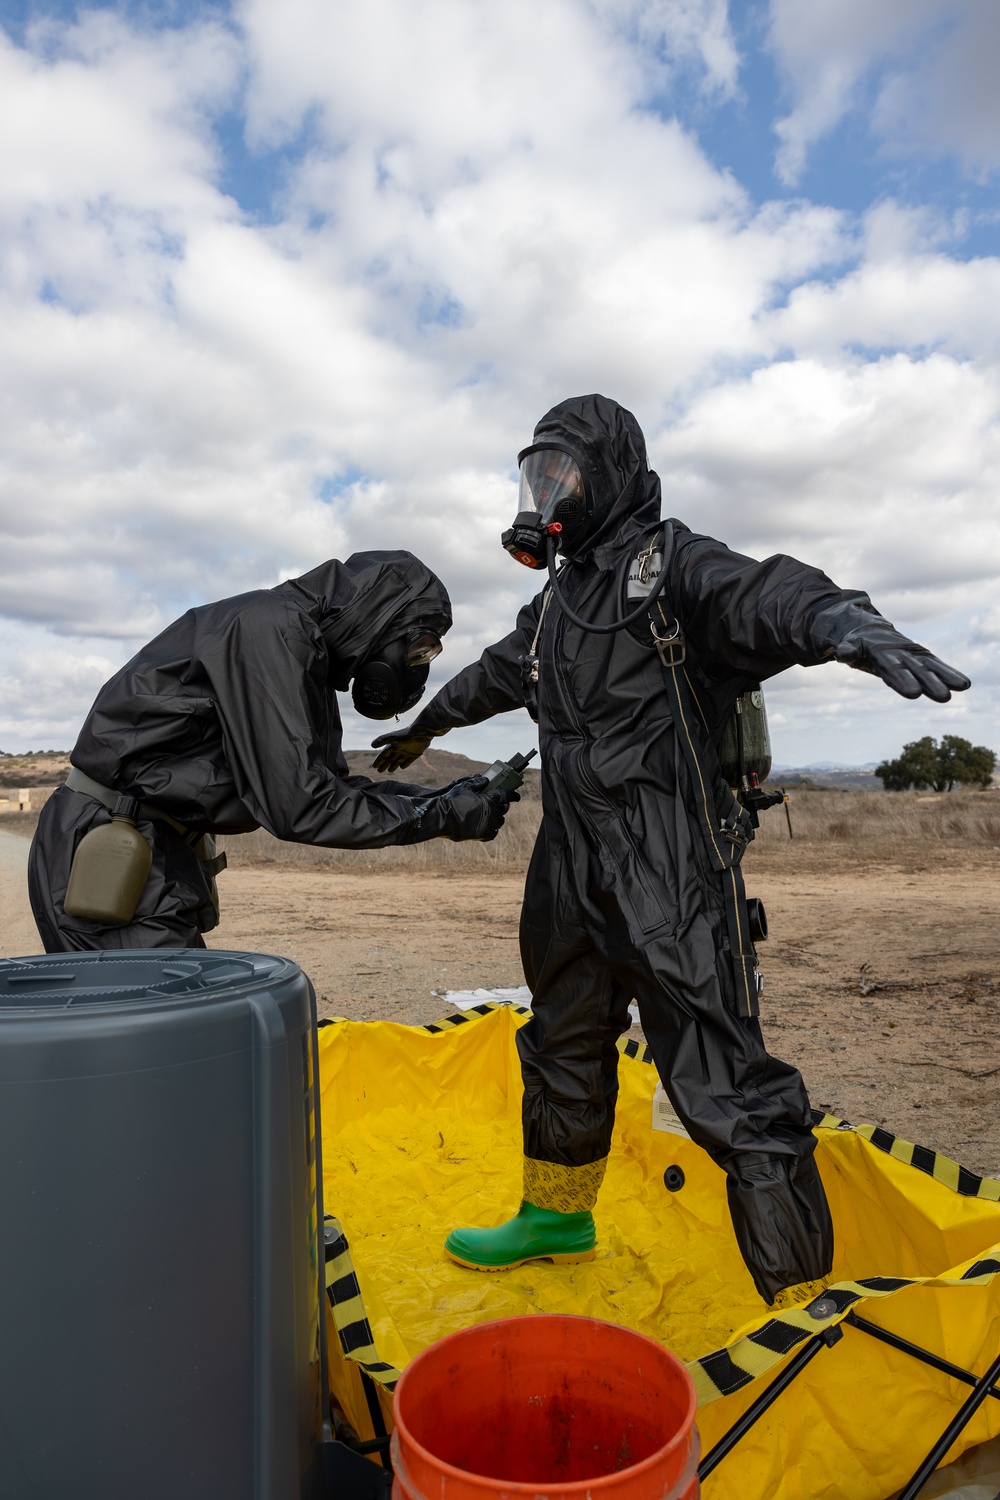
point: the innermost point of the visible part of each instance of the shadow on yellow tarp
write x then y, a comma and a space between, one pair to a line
421, 1132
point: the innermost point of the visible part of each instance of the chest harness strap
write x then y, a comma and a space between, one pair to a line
726, 832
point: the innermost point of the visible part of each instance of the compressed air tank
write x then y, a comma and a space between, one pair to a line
746, 741
159, 1204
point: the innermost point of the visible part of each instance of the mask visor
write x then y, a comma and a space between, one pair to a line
422, 649
548, 477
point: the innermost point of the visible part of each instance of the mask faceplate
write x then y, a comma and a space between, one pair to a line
552, 500
552, 484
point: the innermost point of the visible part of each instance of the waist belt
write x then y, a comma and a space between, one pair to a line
79, 781
214, 864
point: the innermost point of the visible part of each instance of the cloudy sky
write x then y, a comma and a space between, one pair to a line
283, 279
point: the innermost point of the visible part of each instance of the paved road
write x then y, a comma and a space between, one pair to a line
18, 934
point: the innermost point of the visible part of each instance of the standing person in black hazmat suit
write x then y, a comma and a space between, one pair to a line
228, 721
634, 886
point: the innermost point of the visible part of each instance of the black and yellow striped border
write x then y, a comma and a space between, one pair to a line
942, 1168
349, 1316
627, 1046
729, 1369
949, 1173
725, 1370
460, 1017
474, 1013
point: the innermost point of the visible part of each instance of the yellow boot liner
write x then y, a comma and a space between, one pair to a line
421, 1132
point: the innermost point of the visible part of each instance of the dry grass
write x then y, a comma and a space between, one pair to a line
841, 826
883, 827
510, 850
45, 769
849, 826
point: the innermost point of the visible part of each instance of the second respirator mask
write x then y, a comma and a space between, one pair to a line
393, 678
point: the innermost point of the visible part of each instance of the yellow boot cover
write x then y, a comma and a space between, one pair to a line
565, 1190
797, 1296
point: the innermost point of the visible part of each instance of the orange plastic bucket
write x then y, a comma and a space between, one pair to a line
545, 1406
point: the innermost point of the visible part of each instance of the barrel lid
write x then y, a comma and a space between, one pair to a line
64, 980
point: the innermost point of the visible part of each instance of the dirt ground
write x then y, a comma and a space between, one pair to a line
881, 981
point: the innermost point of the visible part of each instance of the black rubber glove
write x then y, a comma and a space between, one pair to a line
466, 820
464, 811
402, 747
907, 668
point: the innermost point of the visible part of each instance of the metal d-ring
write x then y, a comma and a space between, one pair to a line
670, 643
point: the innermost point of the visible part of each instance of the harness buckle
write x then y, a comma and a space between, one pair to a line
672, 648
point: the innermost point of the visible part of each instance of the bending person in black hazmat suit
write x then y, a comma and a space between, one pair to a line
634, 887
228, 721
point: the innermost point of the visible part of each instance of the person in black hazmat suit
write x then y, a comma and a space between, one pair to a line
634, 886
228, 721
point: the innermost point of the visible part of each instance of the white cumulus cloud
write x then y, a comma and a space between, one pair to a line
461, 229
923, 71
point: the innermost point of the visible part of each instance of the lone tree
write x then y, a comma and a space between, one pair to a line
925, 763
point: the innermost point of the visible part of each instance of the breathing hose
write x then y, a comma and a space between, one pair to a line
628, 619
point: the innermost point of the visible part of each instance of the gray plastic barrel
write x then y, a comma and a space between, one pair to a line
159, 1203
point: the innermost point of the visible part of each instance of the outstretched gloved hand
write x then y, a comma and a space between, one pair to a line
907, 668
402, 747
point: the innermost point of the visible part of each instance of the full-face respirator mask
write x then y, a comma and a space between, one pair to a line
393, 678
552, 501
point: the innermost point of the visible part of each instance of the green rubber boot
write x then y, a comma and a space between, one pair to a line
532, 1234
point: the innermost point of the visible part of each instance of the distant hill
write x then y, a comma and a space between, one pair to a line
438, 767
827, 774
830, 765
44, 768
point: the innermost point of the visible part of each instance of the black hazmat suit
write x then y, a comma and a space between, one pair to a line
622, 899
227, 722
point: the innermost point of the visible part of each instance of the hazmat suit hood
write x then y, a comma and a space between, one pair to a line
371, 598
607, 443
